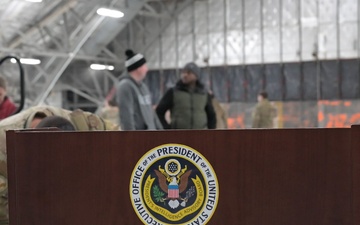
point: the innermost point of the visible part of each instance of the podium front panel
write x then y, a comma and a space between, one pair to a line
267, 177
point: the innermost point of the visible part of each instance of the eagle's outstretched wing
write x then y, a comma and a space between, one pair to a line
184, 181
162, 181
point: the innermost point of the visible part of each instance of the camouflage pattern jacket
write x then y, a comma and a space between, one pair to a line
263, 115
83, 121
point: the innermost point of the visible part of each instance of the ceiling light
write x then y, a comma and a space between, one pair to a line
101, 67
27, 61
110, 13
33, 0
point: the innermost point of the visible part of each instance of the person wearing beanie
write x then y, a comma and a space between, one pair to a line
7, 107
133, 96
188, 102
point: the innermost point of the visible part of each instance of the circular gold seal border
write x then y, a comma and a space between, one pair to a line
141, 168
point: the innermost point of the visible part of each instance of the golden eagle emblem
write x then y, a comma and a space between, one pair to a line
173, 180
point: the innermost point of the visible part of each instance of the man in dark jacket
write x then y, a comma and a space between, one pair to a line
189, 103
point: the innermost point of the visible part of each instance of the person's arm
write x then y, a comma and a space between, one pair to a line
210, 112
126, 101
164, 105
224, 118
9, 108
12, 108
158, 124
256, 118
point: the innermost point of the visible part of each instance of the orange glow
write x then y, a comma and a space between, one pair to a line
355, 119
347, 104
237, 122
332, 103
321, 116
337, 120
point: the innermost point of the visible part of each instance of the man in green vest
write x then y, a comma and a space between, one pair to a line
189, 103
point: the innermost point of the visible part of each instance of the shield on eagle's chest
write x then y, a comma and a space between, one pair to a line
173, 191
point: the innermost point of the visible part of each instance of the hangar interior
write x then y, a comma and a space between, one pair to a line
304, 53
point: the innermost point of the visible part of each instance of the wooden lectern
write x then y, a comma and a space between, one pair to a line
267, 177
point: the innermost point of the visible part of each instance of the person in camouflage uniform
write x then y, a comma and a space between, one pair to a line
30, 118
264, 113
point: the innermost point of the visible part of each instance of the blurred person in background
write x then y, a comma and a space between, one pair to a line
264, 112
221, 116
110, 112
189, 103
58, 122
7, 107
133, 96
41, 117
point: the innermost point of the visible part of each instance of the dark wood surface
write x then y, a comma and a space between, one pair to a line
355, 134
266, 177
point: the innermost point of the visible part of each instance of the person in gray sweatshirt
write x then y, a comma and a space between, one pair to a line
133, 96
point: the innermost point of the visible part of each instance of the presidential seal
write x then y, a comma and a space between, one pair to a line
174, 184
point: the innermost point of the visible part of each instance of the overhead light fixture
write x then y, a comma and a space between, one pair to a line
37, 1
27, 61
101, 67
110, 12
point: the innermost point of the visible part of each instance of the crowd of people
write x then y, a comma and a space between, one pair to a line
187, 105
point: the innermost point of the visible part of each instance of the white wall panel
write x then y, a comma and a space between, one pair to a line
152, 56
271, 44
185, 22
327, 41
290, 44
348, 10
271, 10
217, 49
308, 9
252, 14
171, 30
348, 37
290, 30
327, 11
309, 36
216, 18
235, 15
201, 49
200, 13
185, 50
168, 52
234, 47
290, 12
253, 46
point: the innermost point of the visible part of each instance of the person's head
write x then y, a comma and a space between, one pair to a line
112, 102
2, 89
136, 65
211, 94
190, 73
56, 121
262, 95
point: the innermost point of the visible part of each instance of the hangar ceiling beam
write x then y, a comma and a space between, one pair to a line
60, 54
56, 74
173, 11
45, 21
112, 27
